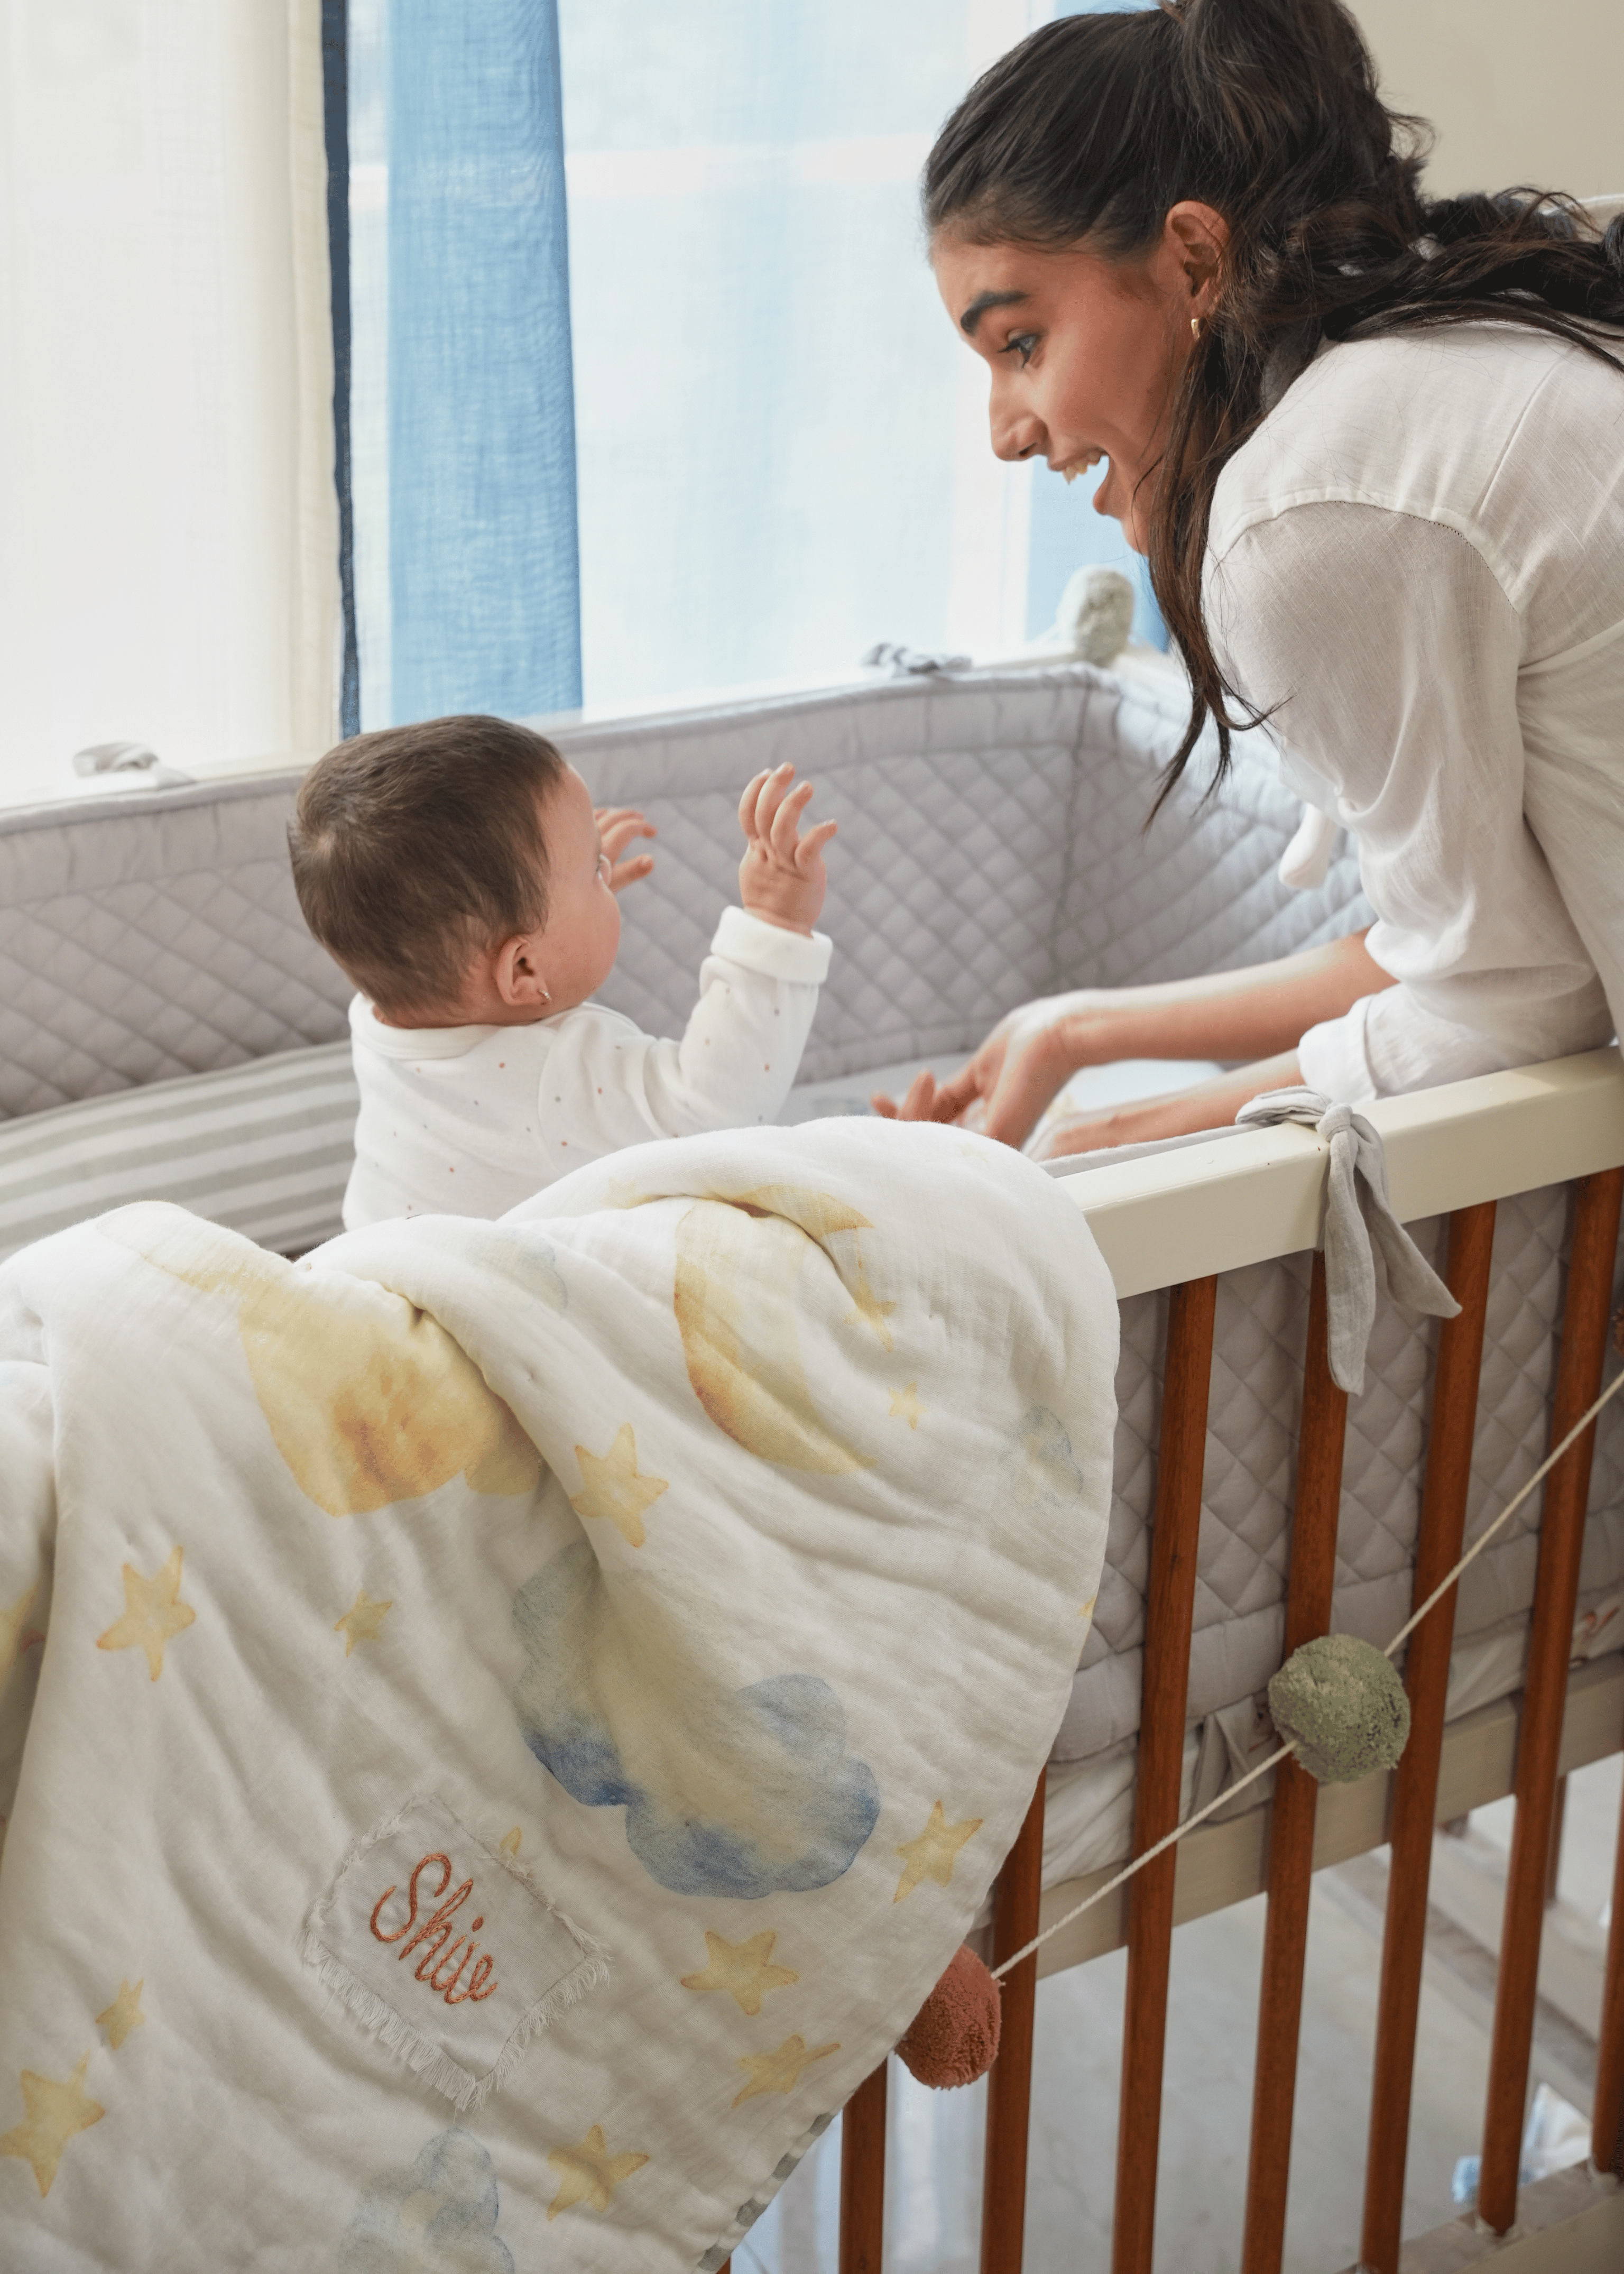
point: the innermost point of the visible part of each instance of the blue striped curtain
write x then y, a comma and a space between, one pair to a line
467, 566
484, 558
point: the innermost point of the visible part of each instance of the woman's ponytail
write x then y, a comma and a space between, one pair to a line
1268, 111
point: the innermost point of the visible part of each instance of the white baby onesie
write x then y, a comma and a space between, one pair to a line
472, 1120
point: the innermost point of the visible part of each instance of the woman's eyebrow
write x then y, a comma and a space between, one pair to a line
982, 301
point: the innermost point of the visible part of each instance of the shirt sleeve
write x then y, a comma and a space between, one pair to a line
1387, 654
605, 1084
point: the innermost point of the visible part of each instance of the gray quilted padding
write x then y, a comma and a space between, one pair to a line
991, 849
151, 937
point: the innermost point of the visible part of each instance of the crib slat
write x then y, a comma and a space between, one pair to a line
1169, 1610
1009, 2086
1451, 1430
862, 2177
1561, 1541
1607, 2118
1291, 1825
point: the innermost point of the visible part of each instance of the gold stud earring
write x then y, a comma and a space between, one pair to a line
1195, 327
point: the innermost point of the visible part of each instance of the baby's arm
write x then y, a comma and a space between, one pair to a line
607, 1085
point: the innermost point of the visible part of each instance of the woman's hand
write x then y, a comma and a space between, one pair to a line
1233, 1016
781, 876
1002, 1090
618, 827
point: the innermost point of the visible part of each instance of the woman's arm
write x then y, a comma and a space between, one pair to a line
1255, 1014
1179, 1113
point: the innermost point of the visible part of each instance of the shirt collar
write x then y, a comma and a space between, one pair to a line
411, 1042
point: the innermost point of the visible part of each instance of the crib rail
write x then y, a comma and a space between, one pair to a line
1455, 1152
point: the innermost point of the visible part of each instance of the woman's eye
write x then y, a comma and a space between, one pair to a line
1024, 344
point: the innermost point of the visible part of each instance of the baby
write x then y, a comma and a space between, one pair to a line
455, 872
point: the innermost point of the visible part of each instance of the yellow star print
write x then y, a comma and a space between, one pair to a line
153, 1614
741, 1969
906, 1405
590, 2173
56, 2112
612, 1487
362, 1620
13, 1616
123, 2015
781, 2071
936, 1851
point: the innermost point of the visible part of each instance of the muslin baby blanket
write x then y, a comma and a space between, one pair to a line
505, 1723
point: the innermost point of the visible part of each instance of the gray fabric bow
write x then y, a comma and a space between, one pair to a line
1359, 1219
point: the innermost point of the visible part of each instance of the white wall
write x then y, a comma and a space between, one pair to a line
1519, 90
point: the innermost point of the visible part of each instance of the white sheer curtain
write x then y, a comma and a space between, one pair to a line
782, 449
169, 540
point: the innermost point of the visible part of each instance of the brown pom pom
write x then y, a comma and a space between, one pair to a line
953, 2038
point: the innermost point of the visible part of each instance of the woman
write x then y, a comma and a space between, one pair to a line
1373, 446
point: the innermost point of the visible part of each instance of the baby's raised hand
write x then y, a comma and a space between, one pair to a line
617, 827
781, 876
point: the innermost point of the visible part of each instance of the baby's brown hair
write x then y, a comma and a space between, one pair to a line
415, 846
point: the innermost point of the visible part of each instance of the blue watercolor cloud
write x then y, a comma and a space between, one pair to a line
744, 1792
436, 2217
1040, 1468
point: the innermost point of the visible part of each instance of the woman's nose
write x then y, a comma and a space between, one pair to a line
1015, 433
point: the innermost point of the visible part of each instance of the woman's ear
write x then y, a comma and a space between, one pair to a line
515, 973
1195, 238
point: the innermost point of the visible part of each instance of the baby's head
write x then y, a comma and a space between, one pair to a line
452, 870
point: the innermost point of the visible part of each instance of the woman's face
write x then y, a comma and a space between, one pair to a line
1084, 353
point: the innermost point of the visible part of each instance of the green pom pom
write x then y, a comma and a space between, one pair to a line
1343, 1706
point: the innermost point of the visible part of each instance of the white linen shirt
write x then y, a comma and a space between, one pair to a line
472, 1120
1419, 558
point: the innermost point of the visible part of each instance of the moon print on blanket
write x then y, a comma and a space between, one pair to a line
742, 1793
368, 1399
744, 1362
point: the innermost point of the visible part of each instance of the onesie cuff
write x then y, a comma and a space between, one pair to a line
768, 948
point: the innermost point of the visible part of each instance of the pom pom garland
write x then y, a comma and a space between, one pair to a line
953, 2038
1335, 1712
1343, 1706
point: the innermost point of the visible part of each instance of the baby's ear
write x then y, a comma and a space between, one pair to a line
515, 971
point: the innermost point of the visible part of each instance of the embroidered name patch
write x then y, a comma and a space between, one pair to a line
446, 1950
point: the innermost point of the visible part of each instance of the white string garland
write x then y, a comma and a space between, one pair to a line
1223, 1799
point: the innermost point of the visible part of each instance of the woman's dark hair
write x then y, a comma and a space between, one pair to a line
1266, 111
415, 846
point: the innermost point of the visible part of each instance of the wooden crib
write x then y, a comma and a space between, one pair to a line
170, 1029
1177, 1221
